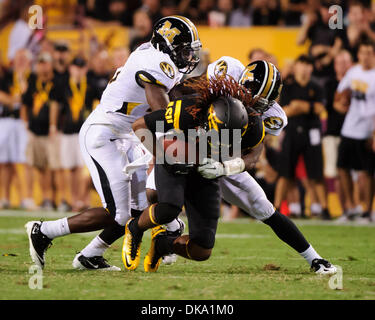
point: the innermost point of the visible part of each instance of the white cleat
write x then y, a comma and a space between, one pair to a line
81, 262
170, 259
323, 267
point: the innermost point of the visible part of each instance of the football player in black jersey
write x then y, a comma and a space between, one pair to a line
217, 105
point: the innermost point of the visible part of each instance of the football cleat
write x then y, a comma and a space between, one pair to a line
172, 258
38, 242
153, 258
81, 262
131, 247
321, 266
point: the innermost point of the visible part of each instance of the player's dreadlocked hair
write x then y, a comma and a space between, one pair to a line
208, 90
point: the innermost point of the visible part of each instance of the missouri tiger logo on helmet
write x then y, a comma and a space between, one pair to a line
178, 37
264, 81
221, 68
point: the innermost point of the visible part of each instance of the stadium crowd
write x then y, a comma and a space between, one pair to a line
48, 90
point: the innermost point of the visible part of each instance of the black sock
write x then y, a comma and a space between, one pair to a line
112, 233
134, 228
136, 213
287, 231
164, 245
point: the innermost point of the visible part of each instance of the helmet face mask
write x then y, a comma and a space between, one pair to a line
178, 37
187, 57
262, 105
264, 81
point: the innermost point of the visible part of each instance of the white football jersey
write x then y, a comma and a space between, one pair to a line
359, 122
225, 65
274, 118
124, 99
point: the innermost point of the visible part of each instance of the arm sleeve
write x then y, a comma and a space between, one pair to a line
275, 119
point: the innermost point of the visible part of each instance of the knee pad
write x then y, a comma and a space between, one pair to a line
261, 209
165, 212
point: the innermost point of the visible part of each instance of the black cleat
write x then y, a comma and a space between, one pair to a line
321, 266
172, 258
39, 243
81, 262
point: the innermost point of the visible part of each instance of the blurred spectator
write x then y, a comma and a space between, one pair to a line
260, 54
74, 98
302, 100
98, 75
118, 11
241, 16
358, 28
265, 12
292, 11
257, 54
142, 29
343, 62
169, 8
20, 33
95, 9
325, 42
13, 131
153, 9
221, 14
197, 10
61, 59
118, 58
355, 96
43, 147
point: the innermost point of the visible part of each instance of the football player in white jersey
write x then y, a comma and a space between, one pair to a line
238, 187
116, 159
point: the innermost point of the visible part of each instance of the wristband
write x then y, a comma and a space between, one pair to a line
234, 166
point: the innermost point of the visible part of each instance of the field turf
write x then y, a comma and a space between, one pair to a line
248, 262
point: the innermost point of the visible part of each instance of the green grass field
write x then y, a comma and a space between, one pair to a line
248, 262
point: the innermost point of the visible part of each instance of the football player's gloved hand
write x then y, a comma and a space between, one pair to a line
211, 169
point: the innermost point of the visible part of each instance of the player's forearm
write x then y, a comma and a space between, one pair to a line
252, 158
156, 96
